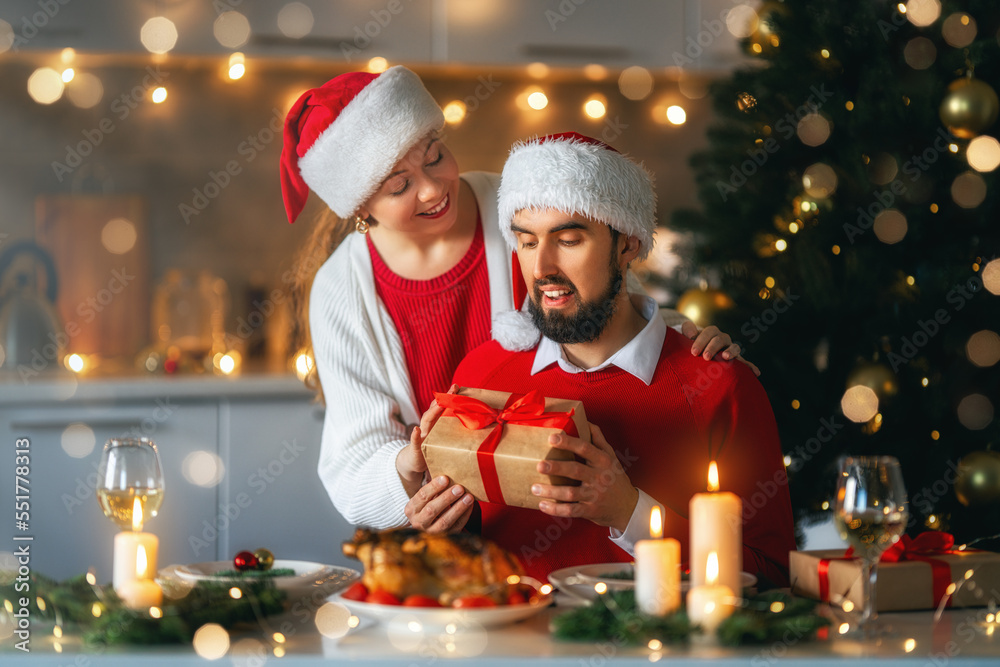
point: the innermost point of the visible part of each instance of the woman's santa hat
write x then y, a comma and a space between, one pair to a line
344, 138
578, 175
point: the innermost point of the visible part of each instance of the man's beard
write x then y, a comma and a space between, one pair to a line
590, 319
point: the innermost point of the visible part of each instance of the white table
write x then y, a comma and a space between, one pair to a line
958, 638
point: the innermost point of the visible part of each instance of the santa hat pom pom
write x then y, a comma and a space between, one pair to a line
515, 331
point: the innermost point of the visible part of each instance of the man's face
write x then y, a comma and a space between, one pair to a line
573, 269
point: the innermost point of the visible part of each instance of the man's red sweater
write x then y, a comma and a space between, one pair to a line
665, 436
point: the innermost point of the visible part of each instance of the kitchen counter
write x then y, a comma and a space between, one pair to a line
64, 387
959, 637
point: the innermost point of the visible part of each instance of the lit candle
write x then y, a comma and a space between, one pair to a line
140, 593
657, 570
716, 525
709, 604
127, 544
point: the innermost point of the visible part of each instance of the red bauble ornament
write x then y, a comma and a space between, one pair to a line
244, 561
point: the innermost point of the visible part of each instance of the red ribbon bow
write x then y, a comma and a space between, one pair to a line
525, 410
920, 548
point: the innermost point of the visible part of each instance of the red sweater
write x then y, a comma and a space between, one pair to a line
439, 320
665, 435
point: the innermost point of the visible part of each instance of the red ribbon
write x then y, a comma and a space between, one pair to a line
920, 548
525, 410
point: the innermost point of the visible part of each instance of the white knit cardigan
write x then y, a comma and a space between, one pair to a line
370, 407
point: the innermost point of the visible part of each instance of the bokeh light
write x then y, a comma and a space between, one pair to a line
295, 20
118, 236
377, 65
983, 348
859, 403
237, 66
813, 129
890, 226
6, 36
45, 85
923, 13
203, 468
742, 21
635, 83
537, 100
249, 652
819, 180
454, 112
882, 168
676, 115
231, 29
159, 95
975, 412
596, 107
332, 620
85, 91
968, 189
959, 30
68, 74
211, 641
537, 70
158, 34
991, 277
78, 440
983, 153
595, 72
920, 53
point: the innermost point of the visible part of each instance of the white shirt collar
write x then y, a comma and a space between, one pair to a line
639, 356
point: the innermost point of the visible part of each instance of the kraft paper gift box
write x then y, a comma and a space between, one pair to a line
920, 580
492, 444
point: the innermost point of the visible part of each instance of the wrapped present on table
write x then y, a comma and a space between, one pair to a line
490, 442
916, 573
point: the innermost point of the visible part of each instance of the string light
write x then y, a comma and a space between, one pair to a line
69, 73
676, 115
795, 404
454, 112
538, 100
237, 67
159, 95
849, 105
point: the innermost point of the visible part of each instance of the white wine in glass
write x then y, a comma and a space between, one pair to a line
130, 475
871, 515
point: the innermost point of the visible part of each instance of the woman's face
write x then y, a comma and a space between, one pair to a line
420, 196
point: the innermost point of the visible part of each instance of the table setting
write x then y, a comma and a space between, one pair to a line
460, 596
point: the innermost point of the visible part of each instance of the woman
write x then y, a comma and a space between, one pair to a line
397, 305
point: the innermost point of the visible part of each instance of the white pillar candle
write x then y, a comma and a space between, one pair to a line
710, 603
126, 550
657, 571
716, 525
140, 592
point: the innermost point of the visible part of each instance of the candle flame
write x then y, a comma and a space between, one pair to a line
713, 476
137, 515
140, 562
655, 523
712, 568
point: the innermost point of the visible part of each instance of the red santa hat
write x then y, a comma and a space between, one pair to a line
575, 174
343, 138
578, 174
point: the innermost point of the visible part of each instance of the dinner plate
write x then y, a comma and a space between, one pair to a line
306, 574
420, 619
579, 580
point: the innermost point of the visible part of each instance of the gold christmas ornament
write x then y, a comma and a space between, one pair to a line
701, 305
970, 107
978, 479
877, 377
265, 559
745, 101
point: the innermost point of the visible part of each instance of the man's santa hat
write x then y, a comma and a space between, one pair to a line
343, 138
578, 175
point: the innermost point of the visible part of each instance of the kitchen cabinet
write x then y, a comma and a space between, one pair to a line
239, 458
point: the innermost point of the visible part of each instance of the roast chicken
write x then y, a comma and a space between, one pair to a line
408, 562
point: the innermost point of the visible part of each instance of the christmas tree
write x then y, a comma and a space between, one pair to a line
849, 229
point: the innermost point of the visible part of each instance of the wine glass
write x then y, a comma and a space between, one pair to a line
871, 515
130, 476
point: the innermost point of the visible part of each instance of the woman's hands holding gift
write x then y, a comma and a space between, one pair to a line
437, 506
605, 494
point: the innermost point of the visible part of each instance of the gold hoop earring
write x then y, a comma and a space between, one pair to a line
360, 224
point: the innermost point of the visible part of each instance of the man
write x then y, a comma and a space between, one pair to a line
578, 213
